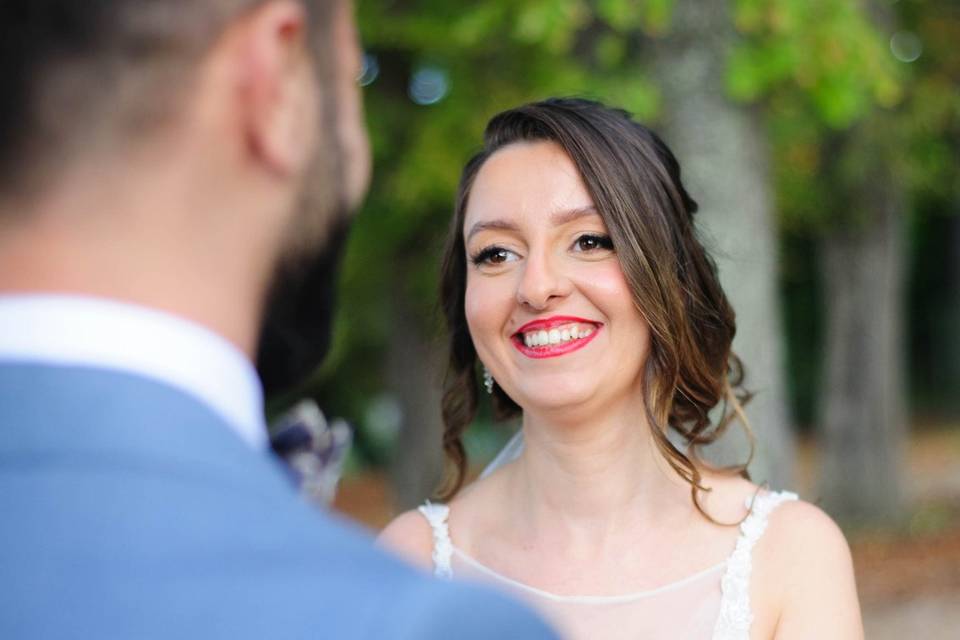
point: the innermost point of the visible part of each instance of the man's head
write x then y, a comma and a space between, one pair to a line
235, 124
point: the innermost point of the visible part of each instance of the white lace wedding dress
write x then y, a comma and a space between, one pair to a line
713, 603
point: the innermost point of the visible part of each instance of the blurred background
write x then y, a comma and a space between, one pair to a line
820, 138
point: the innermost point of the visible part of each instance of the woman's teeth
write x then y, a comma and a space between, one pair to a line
557, 335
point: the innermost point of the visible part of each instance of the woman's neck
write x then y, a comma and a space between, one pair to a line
587, 481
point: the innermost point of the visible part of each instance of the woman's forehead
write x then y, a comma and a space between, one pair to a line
527, 181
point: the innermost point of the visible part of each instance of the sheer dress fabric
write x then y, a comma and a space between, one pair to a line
711, 604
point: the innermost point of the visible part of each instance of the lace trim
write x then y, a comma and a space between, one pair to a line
436, 515
736, 616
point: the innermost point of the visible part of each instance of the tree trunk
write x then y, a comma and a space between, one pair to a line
414, 376
723, 151
863, 412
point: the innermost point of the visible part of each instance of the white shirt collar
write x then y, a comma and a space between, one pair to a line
74, 330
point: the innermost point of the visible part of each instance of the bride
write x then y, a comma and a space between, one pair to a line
575, 282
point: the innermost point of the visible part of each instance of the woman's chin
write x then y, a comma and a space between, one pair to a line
557, 398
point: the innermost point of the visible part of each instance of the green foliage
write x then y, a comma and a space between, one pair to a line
822, 68
826, 52
932, 113
650, 16
619, 14
552, 24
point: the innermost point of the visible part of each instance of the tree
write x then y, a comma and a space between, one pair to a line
864, 259
842, 122
864, 401
722, 146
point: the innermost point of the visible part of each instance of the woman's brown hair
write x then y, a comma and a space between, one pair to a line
634, 181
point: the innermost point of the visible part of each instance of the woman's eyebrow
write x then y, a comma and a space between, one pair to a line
483, 225
558, 218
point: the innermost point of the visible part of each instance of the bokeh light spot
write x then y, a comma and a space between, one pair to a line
906, 46
429, 85
369, 71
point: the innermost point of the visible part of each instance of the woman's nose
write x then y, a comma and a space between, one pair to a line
542, 282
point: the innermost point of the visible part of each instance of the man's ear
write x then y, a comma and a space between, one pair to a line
278, 101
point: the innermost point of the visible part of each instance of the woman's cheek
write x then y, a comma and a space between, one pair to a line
477, 308
607, 280
486, 307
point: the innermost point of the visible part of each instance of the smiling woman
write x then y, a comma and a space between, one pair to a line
543, 264
574, 277
593, 180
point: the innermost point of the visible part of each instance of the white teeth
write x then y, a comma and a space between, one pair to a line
556, 335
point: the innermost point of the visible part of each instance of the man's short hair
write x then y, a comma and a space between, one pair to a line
76, 72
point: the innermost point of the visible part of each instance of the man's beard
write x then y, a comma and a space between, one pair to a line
298, 315
319, 205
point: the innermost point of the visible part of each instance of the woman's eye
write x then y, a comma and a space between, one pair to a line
493, 255
591, 242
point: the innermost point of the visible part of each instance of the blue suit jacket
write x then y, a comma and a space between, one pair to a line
128, 510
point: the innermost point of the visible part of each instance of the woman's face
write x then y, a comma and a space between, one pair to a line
548, 308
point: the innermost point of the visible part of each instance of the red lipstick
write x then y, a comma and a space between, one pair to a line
553, 350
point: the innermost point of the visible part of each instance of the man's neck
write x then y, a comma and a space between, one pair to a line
138, 269
161, 229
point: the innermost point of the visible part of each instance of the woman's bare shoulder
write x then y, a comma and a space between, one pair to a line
410, 536
796, 531
799, 532
802, 582
804, 550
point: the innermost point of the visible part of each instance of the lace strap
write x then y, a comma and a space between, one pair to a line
735, 613
436, 515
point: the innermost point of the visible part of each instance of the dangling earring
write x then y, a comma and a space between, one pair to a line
487, 380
